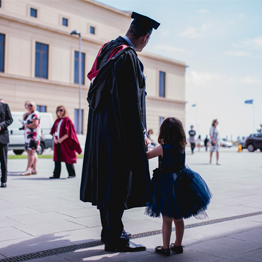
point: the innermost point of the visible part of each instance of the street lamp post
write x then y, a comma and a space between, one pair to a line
75, 32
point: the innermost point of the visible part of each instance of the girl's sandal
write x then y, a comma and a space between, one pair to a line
160, 250
26, 173
34, 172
177, 250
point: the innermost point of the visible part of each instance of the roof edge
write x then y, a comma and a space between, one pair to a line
108, 7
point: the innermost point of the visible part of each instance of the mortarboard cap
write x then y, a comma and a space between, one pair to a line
143, 23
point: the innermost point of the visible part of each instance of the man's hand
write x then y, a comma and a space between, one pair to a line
147, 141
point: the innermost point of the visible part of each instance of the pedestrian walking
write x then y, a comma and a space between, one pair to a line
178, 192
198, 142
149, 136
115, 172
192, 141
66, 143
32, 132
5, 121
206, 142
214, 141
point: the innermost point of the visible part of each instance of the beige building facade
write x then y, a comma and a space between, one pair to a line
39, 57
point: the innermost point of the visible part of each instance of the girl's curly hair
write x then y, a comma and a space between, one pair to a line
172, 132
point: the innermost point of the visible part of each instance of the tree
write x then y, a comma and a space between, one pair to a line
260, 130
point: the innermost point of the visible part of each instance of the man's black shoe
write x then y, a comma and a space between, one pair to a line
127, 234
3, 185
53, 177
129, 247
71, 176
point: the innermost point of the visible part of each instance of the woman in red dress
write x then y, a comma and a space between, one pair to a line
66, 143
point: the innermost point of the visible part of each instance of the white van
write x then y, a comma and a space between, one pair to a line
16, 134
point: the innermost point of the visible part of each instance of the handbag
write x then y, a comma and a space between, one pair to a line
33, 144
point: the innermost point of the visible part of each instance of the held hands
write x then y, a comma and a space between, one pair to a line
147, 141
58, 141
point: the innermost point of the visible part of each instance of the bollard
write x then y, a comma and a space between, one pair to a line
239, 148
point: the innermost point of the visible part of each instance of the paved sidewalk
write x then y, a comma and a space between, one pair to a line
39, 214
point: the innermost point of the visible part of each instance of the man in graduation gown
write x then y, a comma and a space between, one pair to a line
115, 173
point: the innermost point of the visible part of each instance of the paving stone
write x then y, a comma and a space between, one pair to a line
81, 235
2, 257
93, 221
142, 225
98, 253
256, 255
240, 259
80, 212
189, 256
7, 222
49, 259
38, 229
39, 218
254, 235
17, 211
11, 233
27, 245
224, 247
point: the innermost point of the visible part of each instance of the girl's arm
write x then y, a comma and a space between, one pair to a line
157, 151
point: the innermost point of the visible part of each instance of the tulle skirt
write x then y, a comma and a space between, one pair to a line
178, 195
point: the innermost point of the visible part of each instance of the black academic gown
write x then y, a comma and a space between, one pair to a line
115, 168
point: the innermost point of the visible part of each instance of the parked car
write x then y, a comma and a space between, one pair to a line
17, 141
254, 142
226, 143
243, 143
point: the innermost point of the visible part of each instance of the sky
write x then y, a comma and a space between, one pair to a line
221, 42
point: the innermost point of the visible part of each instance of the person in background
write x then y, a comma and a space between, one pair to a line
32, 138
149, 133
192, 142
5, 121
198, 142
65, 143
25, 115
214, 140
206, 142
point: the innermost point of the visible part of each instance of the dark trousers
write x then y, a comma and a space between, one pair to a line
70, 167
112, 227
3, 161
193, 145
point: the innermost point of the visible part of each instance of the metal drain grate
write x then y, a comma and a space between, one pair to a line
60, 250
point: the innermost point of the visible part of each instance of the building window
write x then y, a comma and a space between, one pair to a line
33, 12
64, 21
77, 68
2, 52
92, 30
161, 119
77, 119
41, 108
41, 60
162, 84
0, 3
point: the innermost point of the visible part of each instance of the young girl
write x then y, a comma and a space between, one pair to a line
177, 191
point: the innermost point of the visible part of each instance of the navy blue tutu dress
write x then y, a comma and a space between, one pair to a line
177, 191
